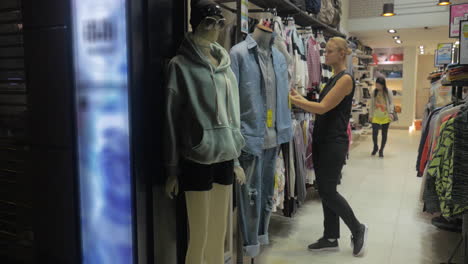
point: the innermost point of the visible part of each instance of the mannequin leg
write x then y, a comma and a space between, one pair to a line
217, 223
198, 206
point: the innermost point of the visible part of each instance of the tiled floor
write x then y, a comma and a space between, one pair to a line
384, 194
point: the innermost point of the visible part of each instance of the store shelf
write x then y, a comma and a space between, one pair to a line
390, 63
364, 56
455, 83
286, 8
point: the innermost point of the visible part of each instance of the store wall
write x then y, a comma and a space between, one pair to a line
425, 66
410, 69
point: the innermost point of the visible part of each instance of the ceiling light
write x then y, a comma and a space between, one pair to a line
388, 10
421, 47
443, 3
457, 42
398, 41
422, 52
392, 31
396, 37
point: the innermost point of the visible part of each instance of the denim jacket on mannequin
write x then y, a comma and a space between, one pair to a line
244, 63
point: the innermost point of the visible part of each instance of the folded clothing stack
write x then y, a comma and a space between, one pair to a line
457, 72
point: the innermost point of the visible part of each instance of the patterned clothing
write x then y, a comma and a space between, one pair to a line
441, 170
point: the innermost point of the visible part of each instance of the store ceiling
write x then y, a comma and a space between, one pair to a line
416, 37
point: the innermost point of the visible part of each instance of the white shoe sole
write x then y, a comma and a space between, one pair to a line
329, 249
364, 246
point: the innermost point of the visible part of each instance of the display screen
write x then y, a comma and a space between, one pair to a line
102, 114
444, 53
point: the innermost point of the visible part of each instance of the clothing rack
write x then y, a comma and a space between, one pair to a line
457, 95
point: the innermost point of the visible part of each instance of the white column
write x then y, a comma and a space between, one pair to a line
410, 69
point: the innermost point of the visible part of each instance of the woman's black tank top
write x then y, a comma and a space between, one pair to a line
332, 126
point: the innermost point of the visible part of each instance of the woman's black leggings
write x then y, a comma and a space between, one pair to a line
375, 134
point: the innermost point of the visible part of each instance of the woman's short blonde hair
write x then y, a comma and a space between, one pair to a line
341, 44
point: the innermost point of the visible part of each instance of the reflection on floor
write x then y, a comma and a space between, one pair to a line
384, 194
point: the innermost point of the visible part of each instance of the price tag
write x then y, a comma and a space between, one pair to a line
270, 118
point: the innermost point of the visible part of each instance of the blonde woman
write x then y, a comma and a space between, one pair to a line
330, 148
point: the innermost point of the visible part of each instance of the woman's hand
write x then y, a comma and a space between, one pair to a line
296, 97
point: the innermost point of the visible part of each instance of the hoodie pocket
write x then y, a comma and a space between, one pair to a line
217, 145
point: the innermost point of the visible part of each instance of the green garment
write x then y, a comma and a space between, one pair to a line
203, 110
441, 168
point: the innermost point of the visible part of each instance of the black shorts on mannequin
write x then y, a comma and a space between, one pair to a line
199, 177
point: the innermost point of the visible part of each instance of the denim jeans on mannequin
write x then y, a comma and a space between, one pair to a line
255, 198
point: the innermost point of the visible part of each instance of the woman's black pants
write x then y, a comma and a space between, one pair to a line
328, 163
375, 135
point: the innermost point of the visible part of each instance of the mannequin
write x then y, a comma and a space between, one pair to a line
263, 36
261, 71
207, 209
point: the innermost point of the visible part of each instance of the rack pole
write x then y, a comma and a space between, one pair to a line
465, 238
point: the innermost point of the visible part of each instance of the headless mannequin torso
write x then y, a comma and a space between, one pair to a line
263, 38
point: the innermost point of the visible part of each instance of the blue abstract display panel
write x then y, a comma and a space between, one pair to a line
101, 81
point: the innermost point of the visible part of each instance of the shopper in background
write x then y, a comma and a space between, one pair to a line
381, 114
330, 147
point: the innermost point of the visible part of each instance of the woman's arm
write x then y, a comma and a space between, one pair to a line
372, 106
390, 101
342, 88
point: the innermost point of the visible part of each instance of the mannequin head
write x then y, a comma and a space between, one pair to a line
207, 20
336, 52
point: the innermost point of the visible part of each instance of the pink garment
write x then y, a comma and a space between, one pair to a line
313, 64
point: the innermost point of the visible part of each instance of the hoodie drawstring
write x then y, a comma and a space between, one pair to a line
218, 119
228, 97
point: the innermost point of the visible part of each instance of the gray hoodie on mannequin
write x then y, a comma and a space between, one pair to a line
203, 115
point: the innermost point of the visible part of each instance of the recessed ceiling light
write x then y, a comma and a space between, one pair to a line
457, 42
396, 37
421, 47
392, 31
443, 3
422, 52
398, 41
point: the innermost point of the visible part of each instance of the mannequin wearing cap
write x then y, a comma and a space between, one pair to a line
207, 210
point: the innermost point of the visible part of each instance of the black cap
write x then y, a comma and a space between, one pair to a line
201, 9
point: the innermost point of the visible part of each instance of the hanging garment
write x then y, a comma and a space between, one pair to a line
313, 64
327, 72
460, 167
423, 140
299, 158
290, 204
280, 39
280, 183
441, 169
